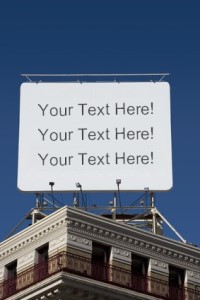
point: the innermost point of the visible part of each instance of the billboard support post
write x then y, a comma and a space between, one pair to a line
152, 195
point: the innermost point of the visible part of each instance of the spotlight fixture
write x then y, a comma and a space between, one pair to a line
76, 200
118, 181
142, 202
51, 183
84, 203
44, 203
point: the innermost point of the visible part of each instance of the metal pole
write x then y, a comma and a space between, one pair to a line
33, 217
114, 207
153, 212
37, 200
94, 75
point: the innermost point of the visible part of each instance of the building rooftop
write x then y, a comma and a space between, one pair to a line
72, 251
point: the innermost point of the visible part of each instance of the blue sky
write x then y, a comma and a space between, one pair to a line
126, 36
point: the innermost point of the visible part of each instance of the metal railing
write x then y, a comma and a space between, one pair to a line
107, 273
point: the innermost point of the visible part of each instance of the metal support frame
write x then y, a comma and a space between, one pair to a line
38, 211
161, 75
155, 211
34, 214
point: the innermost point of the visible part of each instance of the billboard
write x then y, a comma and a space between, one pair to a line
95, 133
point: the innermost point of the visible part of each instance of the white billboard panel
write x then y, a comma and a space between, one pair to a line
95, 133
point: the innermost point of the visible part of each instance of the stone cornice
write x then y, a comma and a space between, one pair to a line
40, 230
131, 239
97, 228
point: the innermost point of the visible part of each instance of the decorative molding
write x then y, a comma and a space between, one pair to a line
121, 252
57, 242
32, 235
121, 255
158, 266
81, 228
193, 277
79, 242
133, 244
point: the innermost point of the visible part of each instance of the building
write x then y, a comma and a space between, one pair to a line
73, 254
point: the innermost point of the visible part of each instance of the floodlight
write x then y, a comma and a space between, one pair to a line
142, 202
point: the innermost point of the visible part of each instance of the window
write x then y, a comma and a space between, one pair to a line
11, 276
43, 254
41, 271
139, 272
176, 282
176, 276
100, 260
139, 264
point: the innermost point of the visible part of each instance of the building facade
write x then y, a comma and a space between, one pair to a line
72, 254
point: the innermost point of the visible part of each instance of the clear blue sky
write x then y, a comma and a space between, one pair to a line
107, 36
